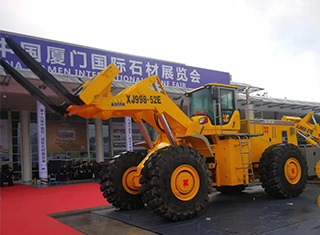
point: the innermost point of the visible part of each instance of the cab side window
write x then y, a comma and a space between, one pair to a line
227, 99
227, 104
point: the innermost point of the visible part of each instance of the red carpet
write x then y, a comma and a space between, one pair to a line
24, 209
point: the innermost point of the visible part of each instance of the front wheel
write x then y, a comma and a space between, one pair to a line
116, 181
176, 183
283, 171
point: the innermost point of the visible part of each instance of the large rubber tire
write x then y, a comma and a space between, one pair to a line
156, 183
231, 189
111, 181
272, 171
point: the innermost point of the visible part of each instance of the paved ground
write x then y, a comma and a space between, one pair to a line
58, 183
252, 212
94, 224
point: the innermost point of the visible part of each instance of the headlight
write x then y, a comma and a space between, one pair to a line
203, 120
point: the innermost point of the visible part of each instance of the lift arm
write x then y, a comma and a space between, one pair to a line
139, 101
304, 127
146, 100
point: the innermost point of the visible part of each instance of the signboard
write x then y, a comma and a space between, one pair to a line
120, 136
42, 147
66, 137
66, 59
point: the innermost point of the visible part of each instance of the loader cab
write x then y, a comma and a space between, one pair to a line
216, 101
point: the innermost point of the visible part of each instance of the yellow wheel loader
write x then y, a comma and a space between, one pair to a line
212, 148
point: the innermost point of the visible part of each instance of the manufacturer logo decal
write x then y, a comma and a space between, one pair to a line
116, 102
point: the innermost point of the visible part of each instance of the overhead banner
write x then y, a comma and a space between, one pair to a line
67, 59
66, 137
42, 147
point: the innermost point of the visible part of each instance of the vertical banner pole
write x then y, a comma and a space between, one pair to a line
42, 142
128, 124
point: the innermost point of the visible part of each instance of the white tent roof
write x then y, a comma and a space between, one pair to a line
267, 103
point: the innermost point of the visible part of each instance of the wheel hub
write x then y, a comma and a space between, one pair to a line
128, 180
292, 170
185, 182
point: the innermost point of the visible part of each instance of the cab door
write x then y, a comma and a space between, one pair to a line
227, 103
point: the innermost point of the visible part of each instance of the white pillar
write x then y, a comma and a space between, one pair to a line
25, 145
99, 140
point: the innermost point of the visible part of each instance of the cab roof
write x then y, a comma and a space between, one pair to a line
212, 84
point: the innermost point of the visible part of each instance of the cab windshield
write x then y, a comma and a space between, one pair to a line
201, 103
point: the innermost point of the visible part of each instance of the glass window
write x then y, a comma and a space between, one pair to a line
35, 174
62, 155
106, 139
15, 124
33, 133
15, 115
16, 166
84, 155
16, 144
227, 105
93, 155
35, 157
15, 141
16, 157
33, 117
75, 155
4, 137
35, 166
34, 148
15, 149
227, 101
14, 132
202, 103
92, 138
3, 114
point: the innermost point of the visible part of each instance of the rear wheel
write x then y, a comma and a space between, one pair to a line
283, 171
176, 183
117, 181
